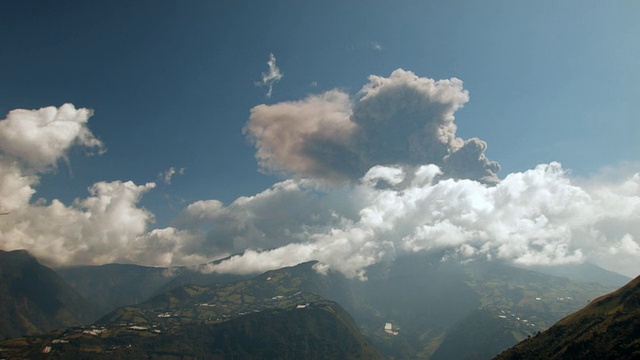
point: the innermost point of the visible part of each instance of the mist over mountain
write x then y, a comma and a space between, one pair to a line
434, 304
437, 304
584, 272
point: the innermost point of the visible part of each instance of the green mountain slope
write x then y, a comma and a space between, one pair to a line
438, 309
322, 330
114, 285
514, 304
435, 309
266, 317
280, 289
608, 328
34, 299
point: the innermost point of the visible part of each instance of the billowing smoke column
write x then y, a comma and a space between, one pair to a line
399, 120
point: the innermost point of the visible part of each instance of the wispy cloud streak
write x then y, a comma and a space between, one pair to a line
167, 176
272, 76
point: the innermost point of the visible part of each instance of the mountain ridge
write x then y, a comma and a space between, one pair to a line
607, 328
269, 316
419, 306
34, 298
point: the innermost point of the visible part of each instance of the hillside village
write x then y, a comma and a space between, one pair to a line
110, 338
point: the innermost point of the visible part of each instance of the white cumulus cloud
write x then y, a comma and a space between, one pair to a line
95, 230
535, 217
40, 138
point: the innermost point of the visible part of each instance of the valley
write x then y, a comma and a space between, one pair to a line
420, 307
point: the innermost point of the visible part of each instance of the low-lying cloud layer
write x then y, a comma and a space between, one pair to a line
376, 178
535, 217
402, 119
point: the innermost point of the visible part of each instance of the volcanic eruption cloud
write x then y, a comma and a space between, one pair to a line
367, 178
382, 173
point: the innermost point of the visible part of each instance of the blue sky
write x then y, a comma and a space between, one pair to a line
173, 84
